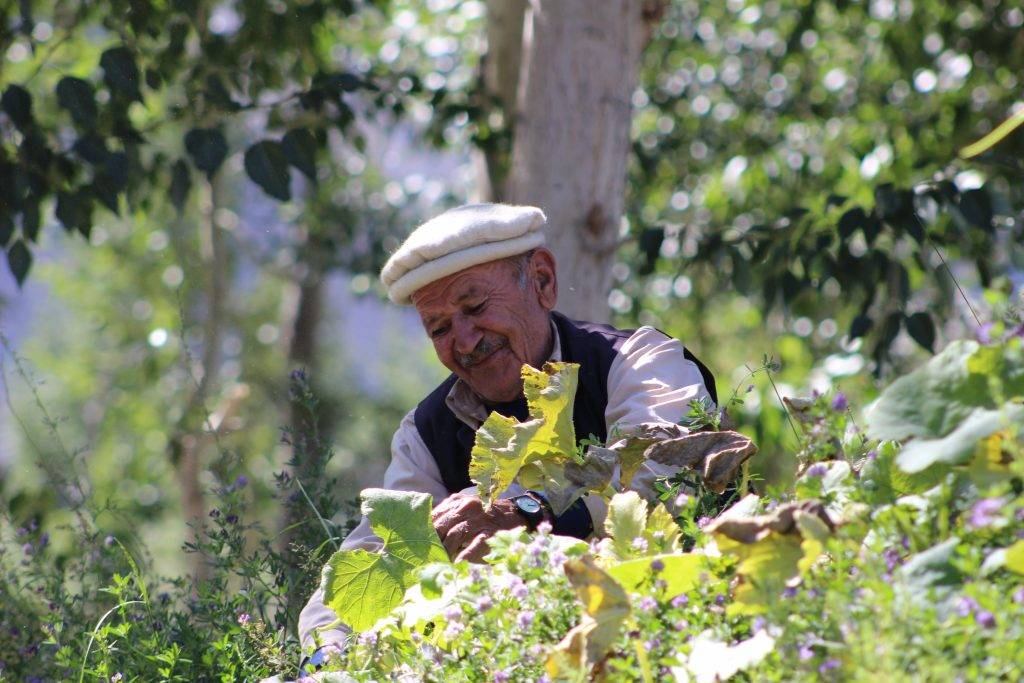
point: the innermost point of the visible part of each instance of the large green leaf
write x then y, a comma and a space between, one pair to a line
680, 571
932, 400
957, 447
361, 586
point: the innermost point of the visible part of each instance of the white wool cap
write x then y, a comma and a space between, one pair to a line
457, 239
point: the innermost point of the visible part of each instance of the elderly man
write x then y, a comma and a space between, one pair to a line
485, 288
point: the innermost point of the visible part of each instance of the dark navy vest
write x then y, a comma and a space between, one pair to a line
592, 345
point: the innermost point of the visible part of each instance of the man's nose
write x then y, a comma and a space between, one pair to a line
466, 335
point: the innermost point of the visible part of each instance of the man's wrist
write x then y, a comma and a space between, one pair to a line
545, 506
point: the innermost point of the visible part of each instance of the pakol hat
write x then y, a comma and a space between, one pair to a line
458, 239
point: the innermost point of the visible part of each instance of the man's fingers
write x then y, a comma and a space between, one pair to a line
461, 509
475, 551
459, 535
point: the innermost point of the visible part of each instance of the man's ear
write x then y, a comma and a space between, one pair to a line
545, 277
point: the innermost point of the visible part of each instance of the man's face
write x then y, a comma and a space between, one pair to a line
485, 325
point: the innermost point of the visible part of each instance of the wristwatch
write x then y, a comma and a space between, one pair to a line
533, 508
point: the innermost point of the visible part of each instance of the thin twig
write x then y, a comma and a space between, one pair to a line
956, 282
785, 409
323, 523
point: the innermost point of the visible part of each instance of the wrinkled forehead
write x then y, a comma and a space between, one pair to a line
454, 290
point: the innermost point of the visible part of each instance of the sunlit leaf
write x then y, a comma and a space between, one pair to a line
957, 447
1014, 560
362, 586
504, 446
626, 520
605, 606
680, 572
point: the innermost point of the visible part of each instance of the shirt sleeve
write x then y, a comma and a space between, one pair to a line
412, 468
650, 380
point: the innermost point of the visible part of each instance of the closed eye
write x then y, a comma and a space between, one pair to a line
474, 310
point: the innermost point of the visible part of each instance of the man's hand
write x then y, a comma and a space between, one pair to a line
464, 525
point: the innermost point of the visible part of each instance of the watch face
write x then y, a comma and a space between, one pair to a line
528, 505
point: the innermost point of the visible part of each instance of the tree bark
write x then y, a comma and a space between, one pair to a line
500, 77
572, 133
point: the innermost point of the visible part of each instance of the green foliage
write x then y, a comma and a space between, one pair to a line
804, 587
361, 586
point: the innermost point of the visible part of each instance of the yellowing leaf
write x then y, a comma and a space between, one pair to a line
1015, 557
605, 606
764, 569
550, 394
504, 446
681, 572
662, 532
626, 520
501, 449
361, 586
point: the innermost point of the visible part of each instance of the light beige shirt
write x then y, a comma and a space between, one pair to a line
650, 380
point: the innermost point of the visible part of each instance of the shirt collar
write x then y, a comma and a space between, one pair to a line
470, 408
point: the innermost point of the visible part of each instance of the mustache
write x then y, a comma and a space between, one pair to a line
484, 348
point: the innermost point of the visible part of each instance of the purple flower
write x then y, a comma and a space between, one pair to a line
805, 652
966, 605
108, 541
647, 604
231, 519
758, 624
525, 618
789, 592
817, 470
682, 499
719, 600
652, 644
519, 591
839, 402
368, 639
657, 566
240, 481
985, 619
1018, 596
44, 540
985, 512
872, 455
828, 665
680, 600
557, 558
501, 676
27, 549
244, 618
682, 625
891, 557
453, 612
703, 522
484, 603
544, 528
640, 544
116, 677
984, 333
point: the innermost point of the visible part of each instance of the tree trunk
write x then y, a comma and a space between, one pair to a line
572, 132
500, 77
